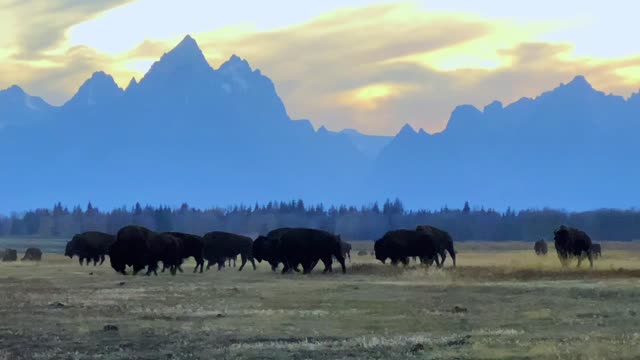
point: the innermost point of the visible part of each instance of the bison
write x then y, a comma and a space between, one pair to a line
190, 246
267, 247
90, 245
442, 240
308, 246
10, 255
540, 247
220, 245
32, 254
130, 249
140, 247
596, 250
400, 245
571, 242
166, 248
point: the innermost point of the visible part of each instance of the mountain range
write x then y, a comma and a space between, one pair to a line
189, 133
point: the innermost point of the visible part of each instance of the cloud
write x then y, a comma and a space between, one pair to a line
321, 68
373, 68
37, 26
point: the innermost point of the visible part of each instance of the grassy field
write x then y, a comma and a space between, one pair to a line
501, 302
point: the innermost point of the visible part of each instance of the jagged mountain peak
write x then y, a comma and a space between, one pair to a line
407, 130
580, 82
99, 88
133, 83
185, 58
236, 65
493, 108
13, 90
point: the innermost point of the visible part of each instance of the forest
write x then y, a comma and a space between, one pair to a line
354, 223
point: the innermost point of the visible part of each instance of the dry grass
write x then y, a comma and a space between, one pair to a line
501, 302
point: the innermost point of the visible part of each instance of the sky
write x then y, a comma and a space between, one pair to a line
368, 65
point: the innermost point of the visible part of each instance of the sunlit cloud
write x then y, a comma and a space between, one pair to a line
352, 63
372, 96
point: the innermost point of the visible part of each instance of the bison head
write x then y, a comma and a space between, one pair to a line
379, 251
561, 234
68, 250
259, 248
118, 266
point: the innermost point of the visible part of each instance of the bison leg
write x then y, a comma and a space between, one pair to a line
405, 261
101, 260
342, 265
244, 262
253, 263
274, 266
438, 262
328, 262
306, 267
208, 264
220, 264
313, 264
199, 263
286, 268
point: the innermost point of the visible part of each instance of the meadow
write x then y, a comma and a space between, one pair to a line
501, 302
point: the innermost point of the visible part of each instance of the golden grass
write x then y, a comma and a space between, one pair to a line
501, 302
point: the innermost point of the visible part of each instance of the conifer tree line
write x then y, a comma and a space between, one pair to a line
354, 223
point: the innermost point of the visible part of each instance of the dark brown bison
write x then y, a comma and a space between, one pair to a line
572, 243
540, 247
89, 246
308, 246
220, 246
400, 245
10, 255
166, 248
190, 246
32, 254
596, 250
140, 247
442, 240
130, 249
267, 247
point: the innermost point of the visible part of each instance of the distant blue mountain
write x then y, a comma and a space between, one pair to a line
186, 132
369, 145
573, 147
19, 108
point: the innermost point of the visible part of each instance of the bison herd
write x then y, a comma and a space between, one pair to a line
31, 254
571, 243
296, 249
140, 248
